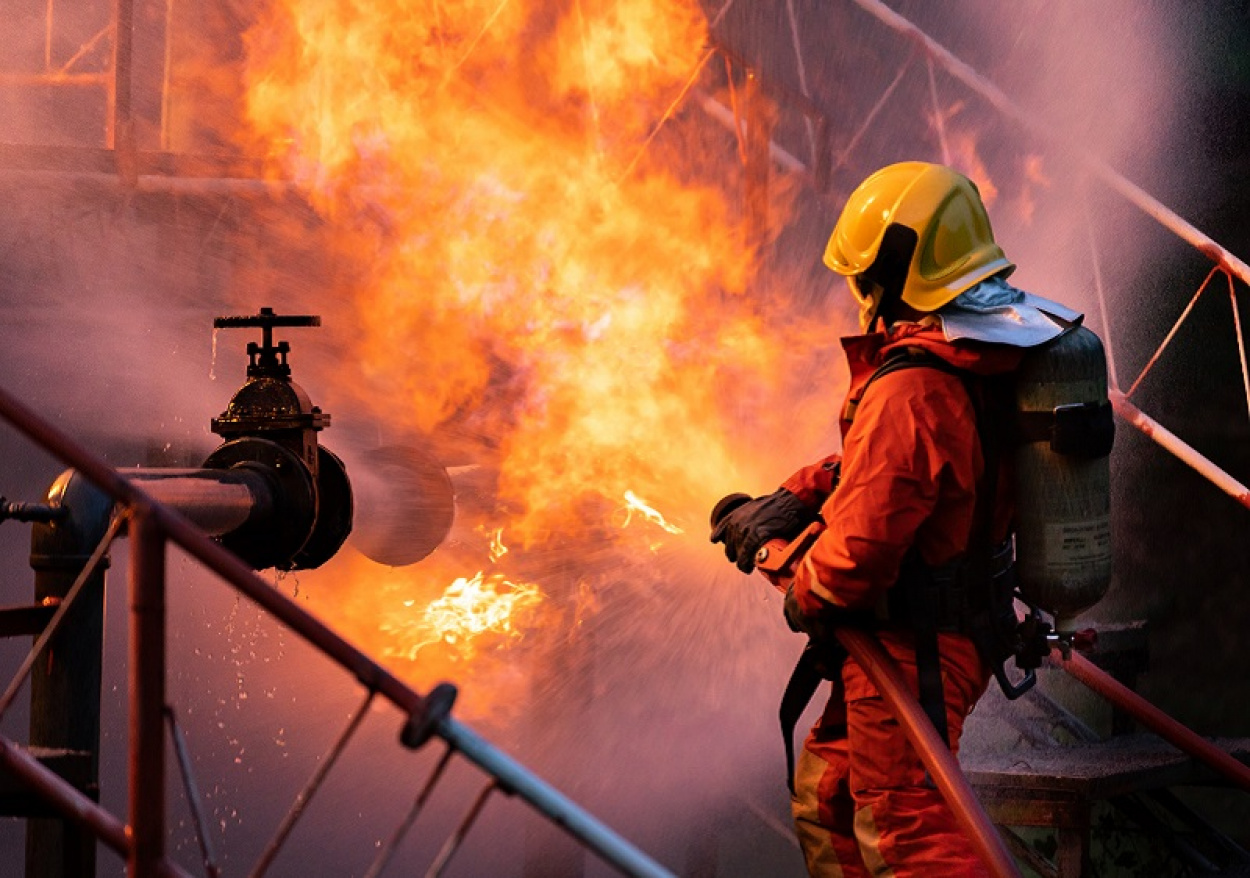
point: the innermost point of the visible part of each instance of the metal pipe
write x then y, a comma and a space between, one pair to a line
162, 178
69, 558
167, 66
937, 757
1185, 452
63, 606
759, 136
212, 174
31, 512
49, 18
1179, 736
725, 116
26, 621
147, 694
615, 850
54, 78
217, 500
85, 49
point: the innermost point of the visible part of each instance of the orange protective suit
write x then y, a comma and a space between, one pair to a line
909, 473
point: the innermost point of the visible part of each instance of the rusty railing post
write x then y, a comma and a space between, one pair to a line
147, 694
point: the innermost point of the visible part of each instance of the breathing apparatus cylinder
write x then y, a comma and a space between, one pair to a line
1063, 476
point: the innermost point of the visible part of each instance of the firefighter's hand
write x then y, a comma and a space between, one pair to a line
821, 625
780, 515
801, 622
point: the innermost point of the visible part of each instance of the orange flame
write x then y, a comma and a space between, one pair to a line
471, 156
468, 611
633, 503
497, 549
532, 272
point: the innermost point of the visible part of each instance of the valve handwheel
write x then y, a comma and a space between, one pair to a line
267, 358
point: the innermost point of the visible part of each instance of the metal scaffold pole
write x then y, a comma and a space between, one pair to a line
147, 695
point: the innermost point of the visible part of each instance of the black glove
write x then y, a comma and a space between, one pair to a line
780, 515
820, 627
813, 626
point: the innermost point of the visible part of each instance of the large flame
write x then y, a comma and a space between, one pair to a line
530, 259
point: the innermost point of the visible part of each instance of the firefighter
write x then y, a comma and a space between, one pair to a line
918, 500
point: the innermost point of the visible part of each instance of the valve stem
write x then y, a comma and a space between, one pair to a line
41, 512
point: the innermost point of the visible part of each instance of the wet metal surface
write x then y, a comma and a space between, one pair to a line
1098, 770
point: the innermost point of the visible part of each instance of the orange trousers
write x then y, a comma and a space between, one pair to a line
863, 802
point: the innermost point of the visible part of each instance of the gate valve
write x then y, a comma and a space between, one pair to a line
270, 404
271, 426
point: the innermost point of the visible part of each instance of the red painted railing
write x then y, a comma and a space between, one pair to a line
151, 526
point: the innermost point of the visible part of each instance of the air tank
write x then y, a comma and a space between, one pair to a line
1062, 472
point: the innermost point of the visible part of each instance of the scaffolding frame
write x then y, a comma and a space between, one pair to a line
936, 56
120, 156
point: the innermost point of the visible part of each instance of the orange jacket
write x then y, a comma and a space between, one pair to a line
909, 468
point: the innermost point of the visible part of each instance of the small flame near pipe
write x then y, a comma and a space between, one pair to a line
473, 611
485, 608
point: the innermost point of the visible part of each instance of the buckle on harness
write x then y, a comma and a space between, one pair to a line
1083, 429
1079, 429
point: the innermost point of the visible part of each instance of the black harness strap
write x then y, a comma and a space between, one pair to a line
923, 605
805, 679
926, 606
923, 621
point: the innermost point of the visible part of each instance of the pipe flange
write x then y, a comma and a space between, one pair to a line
334, 512
272, 540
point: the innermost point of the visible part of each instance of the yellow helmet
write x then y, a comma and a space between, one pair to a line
954, 249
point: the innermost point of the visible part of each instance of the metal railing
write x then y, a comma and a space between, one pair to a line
141, 840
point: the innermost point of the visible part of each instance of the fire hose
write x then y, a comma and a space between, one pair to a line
776, 559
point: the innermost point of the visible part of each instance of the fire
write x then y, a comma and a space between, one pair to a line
469, 610
529, 266
497, 549
471, 157
430, 622
633, 503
